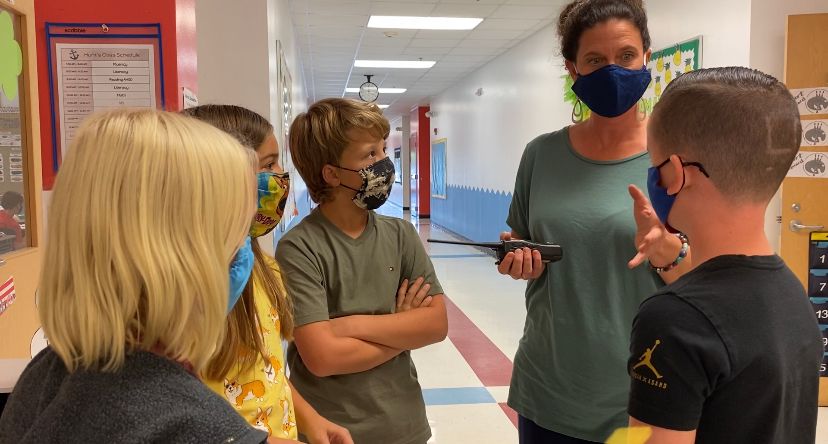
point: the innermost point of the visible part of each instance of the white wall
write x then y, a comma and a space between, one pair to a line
522, 98
233, 67
239, 64
280, 27
724, 25
239, 59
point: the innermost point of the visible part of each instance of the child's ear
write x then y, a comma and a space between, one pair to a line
330, 174
676, 175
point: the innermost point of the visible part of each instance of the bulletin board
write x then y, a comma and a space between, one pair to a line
398, 164
438, 169
669, 63
286, 118
96, 67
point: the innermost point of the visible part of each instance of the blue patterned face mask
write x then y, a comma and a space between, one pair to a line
240, 271
612, 90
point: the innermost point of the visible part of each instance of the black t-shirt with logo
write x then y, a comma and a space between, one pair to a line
731, 350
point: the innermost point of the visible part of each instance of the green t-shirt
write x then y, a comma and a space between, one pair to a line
570, 373
329, 274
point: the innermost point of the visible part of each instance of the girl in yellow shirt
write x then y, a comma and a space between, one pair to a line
249, 369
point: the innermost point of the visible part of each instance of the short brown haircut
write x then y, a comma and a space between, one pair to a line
319, 136
741, 124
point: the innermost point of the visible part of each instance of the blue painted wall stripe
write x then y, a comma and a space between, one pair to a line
473, 213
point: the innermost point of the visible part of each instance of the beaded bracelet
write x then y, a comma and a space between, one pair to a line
685, 247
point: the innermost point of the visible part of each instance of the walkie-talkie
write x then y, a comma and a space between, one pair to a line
549, 252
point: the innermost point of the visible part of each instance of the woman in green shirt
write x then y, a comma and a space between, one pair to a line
570, 383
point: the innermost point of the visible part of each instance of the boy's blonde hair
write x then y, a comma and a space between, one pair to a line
147, 213
319, 136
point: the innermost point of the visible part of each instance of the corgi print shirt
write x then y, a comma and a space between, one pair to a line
262, 394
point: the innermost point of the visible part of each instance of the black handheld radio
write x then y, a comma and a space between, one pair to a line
549, 252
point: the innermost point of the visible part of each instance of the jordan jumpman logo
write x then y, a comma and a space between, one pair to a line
646, 360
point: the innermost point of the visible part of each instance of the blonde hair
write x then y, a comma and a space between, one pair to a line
319, 136
147, 213
243, 332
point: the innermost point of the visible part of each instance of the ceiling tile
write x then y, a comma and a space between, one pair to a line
408, 8
463, 10
427, 43
491, 44
526, 12
331, 33
494, 34
558, 3
474, 2
436, 34
507, 24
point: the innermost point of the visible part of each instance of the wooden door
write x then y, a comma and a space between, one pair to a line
805, 198
20, 172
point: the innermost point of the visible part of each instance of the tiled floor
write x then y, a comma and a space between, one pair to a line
465, 378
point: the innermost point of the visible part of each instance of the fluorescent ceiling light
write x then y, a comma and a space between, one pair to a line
416, 64
381, 90
407, 22
383, 106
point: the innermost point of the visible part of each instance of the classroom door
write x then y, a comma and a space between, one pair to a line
804, 191
20, 183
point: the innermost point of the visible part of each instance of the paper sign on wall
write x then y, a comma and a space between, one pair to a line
814, 133
94, 67
97, 77
7, 294
811, 100
810, 164
190, 98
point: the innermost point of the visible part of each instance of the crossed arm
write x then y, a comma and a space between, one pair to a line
357, 343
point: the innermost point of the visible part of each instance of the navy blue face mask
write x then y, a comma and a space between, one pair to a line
612, 90
662, 201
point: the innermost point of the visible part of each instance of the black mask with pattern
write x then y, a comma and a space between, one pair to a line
377, 180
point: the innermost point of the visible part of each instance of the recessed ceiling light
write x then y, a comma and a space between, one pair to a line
408, 22
416, 64
381, 90
383, 106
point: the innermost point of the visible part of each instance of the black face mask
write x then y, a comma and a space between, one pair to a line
377, 180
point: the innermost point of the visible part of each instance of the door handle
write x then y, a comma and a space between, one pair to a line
796, 225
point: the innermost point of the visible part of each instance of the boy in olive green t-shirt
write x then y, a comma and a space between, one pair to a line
363, 288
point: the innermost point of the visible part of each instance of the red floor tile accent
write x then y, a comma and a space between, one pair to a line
486, 360
513, 416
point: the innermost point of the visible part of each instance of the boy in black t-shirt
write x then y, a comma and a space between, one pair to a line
730, 352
